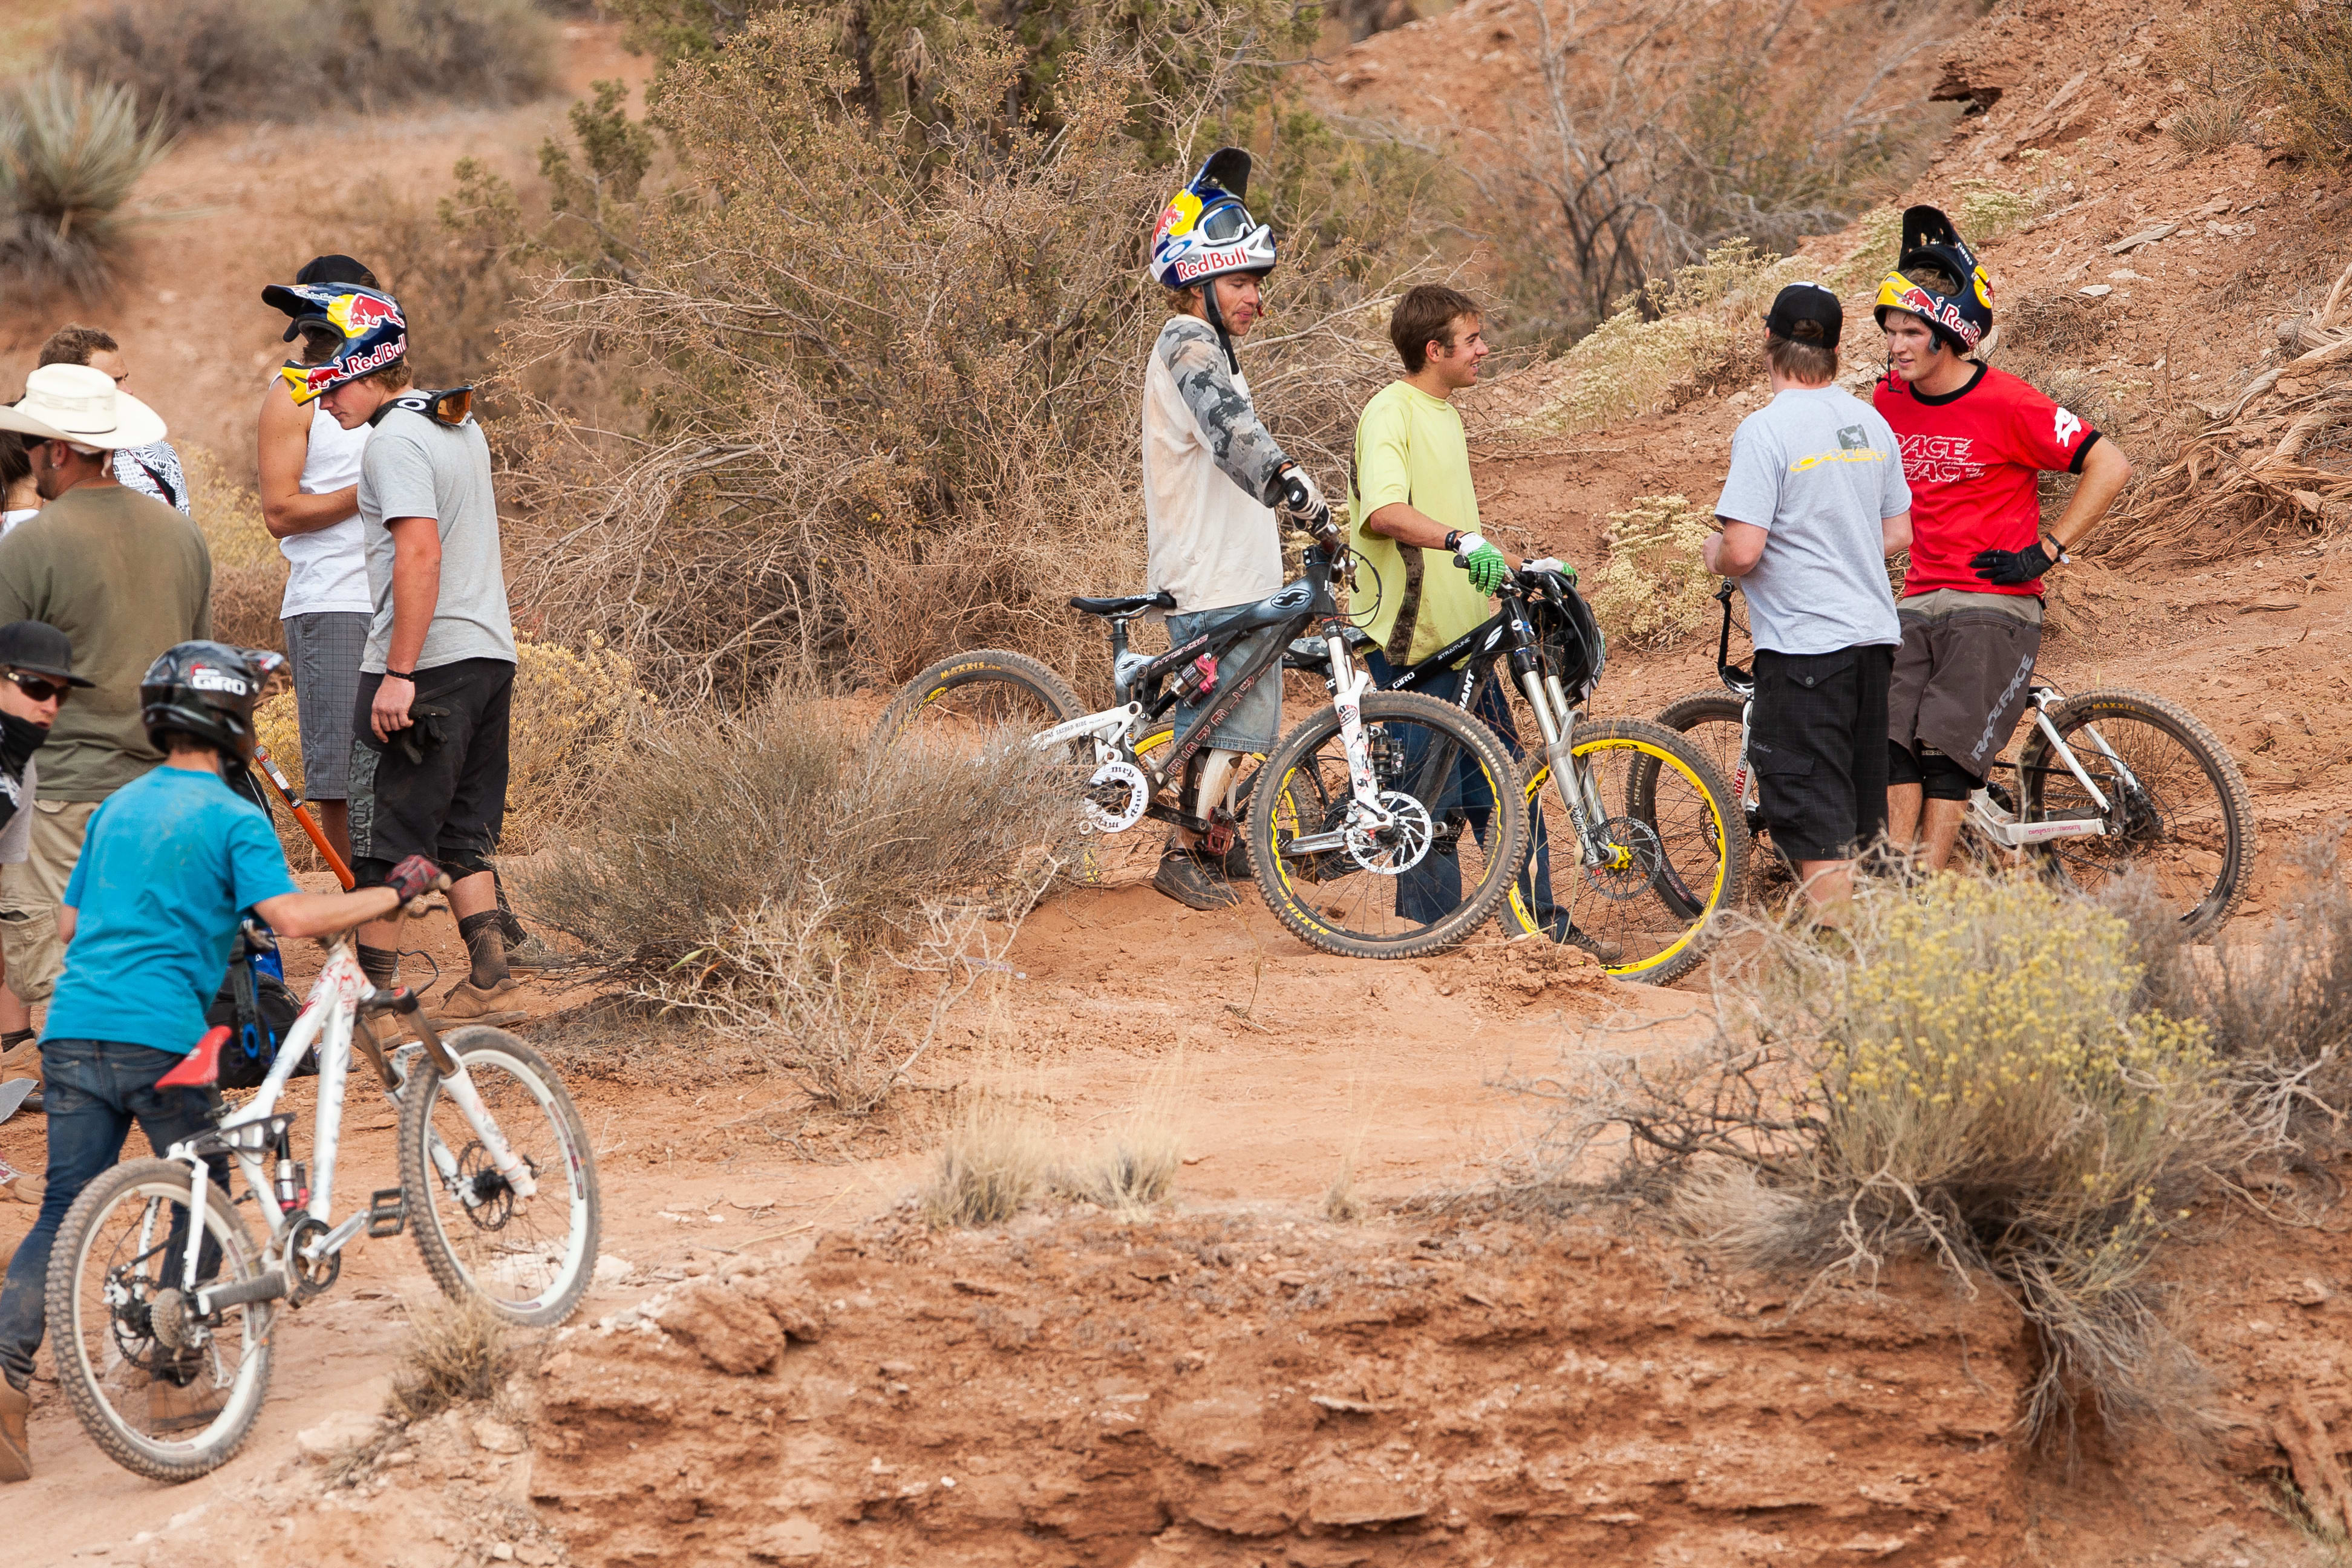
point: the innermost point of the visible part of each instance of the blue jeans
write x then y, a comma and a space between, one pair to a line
94, 1090
1433, 890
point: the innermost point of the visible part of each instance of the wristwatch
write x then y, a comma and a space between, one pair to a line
2055, 551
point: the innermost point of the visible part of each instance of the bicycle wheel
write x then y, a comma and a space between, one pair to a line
1677, 853
1713, 724
2178, 808
531, 1259
167, 1394
1425, 883
968, 700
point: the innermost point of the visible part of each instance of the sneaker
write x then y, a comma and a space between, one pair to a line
15, 1445
467, 1000
176, 1407
1194, 881
1608, 950
531, 957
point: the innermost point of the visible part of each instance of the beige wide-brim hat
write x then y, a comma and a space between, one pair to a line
80, 403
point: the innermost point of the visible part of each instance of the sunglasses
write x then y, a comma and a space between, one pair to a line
38, 689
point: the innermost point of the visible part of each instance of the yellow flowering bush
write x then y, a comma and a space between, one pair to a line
1654, 589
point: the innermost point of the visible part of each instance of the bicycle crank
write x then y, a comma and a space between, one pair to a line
1117, 797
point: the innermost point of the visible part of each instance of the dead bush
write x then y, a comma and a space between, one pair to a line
2301, 51
1967, 1071
70, 153
196, 62
248, 571
459, 1351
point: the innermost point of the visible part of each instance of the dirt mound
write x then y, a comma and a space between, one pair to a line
1223, 1389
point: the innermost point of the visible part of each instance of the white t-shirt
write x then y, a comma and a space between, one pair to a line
1212, 544
328, 566
9, 520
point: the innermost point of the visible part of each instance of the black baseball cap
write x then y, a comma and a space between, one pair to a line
317, 270
39, 649
1805, 302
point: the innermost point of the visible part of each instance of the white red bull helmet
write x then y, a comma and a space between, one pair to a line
373, 333
1205, 231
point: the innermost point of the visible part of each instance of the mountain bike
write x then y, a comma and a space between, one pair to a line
2106, 782
1348, 804
162, 1310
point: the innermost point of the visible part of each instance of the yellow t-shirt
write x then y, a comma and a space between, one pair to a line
1410, 447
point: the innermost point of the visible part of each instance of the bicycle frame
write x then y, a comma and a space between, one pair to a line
329, 1023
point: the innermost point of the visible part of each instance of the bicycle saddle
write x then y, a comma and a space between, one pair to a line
1120, 606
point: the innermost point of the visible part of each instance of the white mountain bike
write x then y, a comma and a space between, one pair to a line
163, 1312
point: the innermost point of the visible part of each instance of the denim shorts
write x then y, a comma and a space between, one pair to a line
1255, 721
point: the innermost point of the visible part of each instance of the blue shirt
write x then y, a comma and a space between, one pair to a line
170, 862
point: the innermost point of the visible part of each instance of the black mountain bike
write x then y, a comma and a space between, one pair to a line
1348, 805
2105, 782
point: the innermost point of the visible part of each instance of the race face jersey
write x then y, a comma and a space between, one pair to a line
1972, 457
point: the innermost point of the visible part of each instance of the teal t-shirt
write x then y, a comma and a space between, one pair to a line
171, 861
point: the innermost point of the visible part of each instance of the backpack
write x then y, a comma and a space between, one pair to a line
258, 1011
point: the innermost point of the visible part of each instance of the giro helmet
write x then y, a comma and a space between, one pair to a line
1205, 232
1960, 315
207, 690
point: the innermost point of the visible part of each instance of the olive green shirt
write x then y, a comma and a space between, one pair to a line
124, 577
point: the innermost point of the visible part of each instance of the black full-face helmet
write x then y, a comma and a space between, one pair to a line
207, 690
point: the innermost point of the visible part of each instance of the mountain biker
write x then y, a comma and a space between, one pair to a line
1416, 527
1213, 477
171, 862
1813, 505
1974, 440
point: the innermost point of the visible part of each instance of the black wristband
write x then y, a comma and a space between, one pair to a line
407, 675
1453, 541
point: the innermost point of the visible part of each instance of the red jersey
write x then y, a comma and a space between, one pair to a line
1972, 457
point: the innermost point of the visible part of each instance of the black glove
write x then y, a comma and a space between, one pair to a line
424, 731
415, 877
2008, 568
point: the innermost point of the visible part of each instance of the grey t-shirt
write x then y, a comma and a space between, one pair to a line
417, 467
1819, 470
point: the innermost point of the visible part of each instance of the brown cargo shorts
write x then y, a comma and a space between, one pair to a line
1964, 674
30, 893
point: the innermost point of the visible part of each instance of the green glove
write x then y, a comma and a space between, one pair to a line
1481, 561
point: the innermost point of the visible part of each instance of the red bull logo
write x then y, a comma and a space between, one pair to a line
1228, 259
359, 314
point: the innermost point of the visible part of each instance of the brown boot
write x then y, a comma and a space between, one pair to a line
21, 1061
15, 1447
467, 1000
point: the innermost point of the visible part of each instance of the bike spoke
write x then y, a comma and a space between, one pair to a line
1664, 869
514, 1251
2171, 817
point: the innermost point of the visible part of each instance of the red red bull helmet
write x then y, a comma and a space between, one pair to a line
373, 332
1930, 242
1205, 231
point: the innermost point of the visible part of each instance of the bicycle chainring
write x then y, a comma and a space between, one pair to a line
1117, 797
1397, 848
308, 1276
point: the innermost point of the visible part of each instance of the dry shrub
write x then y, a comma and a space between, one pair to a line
570, 717
196, 62
70, 153
1654, 589
993, 1160
2300, 51
459, 1351
248, 571
890, 353
1966, 1072
1136, 1164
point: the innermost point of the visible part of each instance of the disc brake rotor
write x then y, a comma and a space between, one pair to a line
1397, 848
489, 1199
1117, 797
1635, 853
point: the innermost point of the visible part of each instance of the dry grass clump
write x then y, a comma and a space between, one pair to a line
2301, 52
820, 909
197, 62
1654, 589
459, 1351
995, 1159
1136, 1164
70, 153
1967, 1072
571, 715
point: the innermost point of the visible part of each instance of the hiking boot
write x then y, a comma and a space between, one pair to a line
1608, 950
21, 1061
29, 1189
16, 1446
467, 1000
182, 1407
1194, 881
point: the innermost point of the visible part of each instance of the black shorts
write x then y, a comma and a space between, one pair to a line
1817, 740
447, 801
1962, 679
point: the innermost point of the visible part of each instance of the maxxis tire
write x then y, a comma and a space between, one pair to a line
1686, 955
240, 1261
968, 669
419, 1183
2221, 769
1507, 848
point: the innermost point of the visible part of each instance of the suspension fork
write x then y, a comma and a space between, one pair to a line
1556, 720
2066, 755
1348, 685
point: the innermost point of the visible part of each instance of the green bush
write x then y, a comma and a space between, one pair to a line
70, 154
196, 62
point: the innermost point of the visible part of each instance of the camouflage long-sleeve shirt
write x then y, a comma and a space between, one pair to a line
1220, 400
1208, 475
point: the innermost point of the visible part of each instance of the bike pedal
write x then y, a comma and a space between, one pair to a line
387, 1213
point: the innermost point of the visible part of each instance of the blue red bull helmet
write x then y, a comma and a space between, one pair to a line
1205, 231
1929, 241
373, 332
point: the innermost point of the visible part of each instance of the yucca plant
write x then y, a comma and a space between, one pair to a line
70, 153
